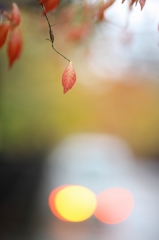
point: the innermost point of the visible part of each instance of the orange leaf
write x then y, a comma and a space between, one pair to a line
49, 4
14, 45
4, 28
68, 78
15, 15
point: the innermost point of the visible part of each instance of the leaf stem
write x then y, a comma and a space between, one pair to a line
51, 34
60, 53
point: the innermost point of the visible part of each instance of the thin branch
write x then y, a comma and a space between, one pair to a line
45, 15
60, 53
51, 34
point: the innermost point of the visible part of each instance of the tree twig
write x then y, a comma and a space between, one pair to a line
51, 34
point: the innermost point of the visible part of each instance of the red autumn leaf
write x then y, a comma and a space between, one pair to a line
4, 28
134, 1
15, 15
49, 4
142, 3
131, 2
68, 78
14, 45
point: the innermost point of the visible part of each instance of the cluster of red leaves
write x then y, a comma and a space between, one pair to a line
49, 5
14, 45
90, 14
81, 27
141, 2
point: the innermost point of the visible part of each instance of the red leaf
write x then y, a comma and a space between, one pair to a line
142, 3
14, 45
15, 15
4, 28
134, 1
131, 2
49, 4
68, 78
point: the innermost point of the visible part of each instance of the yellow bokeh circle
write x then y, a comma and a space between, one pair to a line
75, 203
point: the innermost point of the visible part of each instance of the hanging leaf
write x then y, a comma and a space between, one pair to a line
142, 3
15, 15
68, 78
49, 5
4, 29
134, 1
131, 2
14, 45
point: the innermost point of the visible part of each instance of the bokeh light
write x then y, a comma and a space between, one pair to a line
75, 203
51, 202
114, 205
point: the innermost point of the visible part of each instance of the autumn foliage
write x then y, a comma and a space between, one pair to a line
14, 45
49, 5
15, 15
4, 29
141, 2
92, 14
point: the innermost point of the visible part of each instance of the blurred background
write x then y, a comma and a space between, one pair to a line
104, 133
